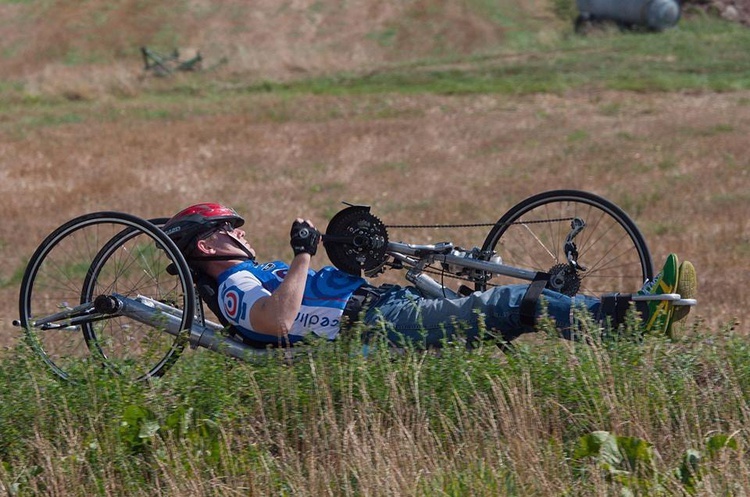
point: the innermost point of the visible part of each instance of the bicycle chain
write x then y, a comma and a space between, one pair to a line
476, 225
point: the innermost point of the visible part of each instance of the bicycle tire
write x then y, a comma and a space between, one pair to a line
532, 235
92, 288
101, 253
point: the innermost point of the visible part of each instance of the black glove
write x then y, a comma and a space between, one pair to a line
305, 238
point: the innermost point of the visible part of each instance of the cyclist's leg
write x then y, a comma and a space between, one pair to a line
405, 315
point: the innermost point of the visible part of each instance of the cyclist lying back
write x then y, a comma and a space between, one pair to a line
275, 303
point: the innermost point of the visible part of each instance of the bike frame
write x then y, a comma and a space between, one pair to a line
207, 335
419, 256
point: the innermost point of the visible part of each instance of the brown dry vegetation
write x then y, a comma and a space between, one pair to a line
678, 163
56, 46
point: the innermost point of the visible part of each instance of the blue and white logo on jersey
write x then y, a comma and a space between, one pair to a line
234, 308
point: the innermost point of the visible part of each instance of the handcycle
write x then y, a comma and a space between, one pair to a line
111, 287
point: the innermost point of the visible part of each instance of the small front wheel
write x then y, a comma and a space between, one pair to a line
611, 251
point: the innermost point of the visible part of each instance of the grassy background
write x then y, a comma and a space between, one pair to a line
434, 112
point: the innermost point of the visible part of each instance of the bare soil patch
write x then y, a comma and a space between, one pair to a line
678, 163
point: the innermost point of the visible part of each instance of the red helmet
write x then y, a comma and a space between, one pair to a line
186, 226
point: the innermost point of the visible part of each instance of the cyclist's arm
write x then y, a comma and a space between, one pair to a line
275, 314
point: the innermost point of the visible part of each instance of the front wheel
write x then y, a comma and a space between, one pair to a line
611, 252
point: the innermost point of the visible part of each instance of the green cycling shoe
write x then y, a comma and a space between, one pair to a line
660, 315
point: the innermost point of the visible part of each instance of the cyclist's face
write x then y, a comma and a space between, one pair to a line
222, 241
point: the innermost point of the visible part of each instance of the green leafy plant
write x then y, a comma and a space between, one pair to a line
629, 461
138, 426
695, 464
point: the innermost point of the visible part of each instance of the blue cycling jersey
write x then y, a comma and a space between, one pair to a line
323, 303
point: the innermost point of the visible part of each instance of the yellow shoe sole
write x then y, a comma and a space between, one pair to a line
687, 287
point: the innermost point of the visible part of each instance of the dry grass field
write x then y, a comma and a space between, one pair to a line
96, 139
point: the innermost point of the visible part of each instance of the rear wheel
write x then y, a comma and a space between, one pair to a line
611, 251
101, 254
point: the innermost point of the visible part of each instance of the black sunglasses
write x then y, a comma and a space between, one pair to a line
222, 228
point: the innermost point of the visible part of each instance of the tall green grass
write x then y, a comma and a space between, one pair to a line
637, 417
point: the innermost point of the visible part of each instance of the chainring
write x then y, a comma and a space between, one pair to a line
564, 279
356, 241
